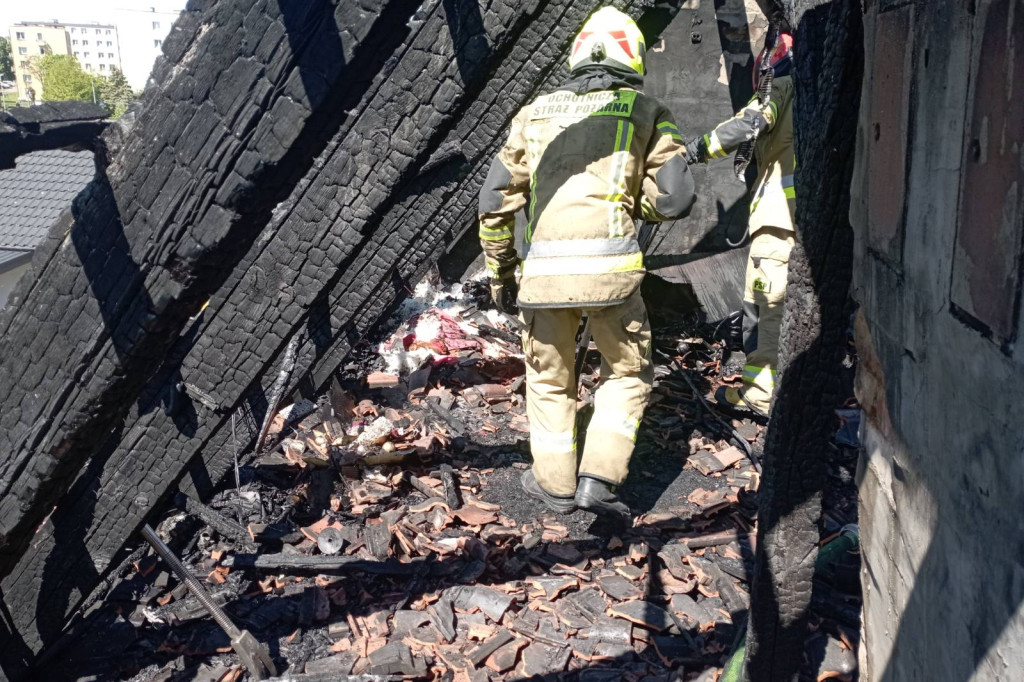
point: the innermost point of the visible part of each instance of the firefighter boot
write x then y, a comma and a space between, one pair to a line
733, 401
599, 497
557, 504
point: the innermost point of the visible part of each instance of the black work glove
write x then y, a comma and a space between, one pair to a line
696, 152
505, 293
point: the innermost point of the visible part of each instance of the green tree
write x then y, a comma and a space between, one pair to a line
116, 93
63, 78
6, 61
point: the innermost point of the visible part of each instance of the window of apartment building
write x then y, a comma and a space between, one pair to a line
157, 43
103, 67
98, 32
22, 50
39, 36
27, 78
110, 44
19, 35
156, 25
88, 67
42, 49
86, 55
74, 42
76, 55
85, 42
108, 33
72, 29
24, 65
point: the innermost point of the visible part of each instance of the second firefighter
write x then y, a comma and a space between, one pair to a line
769, 123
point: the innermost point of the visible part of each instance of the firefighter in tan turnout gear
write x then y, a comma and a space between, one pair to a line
767, 120
584, 161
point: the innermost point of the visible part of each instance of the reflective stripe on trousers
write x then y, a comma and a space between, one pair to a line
616, 422
558, 442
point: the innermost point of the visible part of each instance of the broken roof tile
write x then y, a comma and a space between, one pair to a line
643, 613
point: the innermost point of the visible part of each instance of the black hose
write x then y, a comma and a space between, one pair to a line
740, 440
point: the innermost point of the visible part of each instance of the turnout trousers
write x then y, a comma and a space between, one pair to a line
763, 297
623, 336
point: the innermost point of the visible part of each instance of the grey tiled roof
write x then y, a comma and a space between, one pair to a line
34, 193
8, 255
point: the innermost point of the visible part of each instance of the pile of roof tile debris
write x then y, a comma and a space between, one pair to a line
383, 536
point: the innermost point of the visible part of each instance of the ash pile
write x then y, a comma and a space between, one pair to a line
380, 532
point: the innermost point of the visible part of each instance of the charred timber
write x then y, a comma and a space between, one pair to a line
828, 67
395, 184
322, 564
218, 142
53, 125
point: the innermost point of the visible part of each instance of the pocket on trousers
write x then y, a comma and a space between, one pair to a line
637, 330
773, 243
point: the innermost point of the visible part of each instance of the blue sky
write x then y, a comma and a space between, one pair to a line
13, 11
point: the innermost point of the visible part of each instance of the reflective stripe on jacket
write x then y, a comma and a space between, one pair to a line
774, 200
583, 166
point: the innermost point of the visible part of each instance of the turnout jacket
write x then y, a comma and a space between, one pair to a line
774, 200
584, 166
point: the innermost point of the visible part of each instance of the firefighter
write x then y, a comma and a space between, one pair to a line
770, 227
584, 161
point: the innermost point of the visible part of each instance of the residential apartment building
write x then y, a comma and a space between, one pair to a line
31, 40
142, 33
95, 46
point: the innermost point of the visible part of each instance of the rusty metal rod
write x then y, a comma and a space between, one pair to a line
253, 655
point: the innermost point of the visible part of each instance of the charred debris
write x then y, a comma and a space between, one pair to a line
380, 533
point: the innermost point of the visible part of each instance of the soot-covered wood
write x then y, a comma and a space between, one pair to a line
244, 99
394, 185
52, 125
829, 56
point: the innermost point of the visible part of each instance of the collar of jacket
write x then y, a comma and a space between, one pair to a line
597, 77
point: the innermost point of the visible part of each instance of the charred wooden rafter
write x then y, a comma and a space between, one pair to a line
393, 185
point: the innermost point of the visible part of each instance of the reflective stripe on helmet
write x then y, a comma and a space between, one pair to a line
616, 37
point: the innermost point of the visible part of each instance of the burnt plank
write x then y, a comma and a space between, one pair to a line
187, 190
364, 243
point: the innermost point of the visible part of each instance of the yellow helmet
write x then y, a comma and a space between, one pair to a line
609, 36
